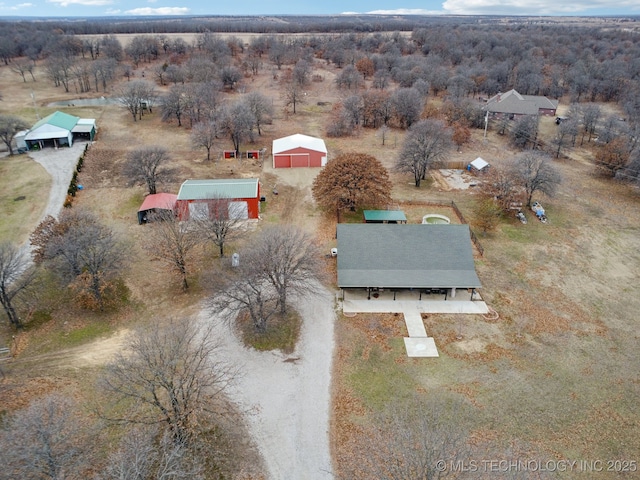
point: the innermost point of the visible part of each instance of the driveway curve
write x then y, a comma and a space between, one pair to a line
288, 397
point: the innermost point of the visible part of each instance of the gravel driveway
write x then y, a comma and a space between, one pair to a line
288, 396
60, 164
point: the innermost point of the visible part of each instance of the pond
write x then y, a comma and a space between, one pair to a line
85, 102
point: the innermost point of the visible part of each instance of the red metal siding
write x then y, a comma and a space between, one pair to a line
282, 161
253, 206
288, 158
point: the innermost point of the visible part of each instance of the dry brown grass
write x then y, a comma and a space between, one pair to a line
558, 370
24, 188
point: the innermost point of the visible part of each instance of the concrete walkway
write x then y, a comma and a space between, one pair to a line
414, 322
412, 304
418, 344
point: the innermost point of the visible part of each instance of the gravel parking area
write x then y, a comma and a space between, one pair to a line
60, 164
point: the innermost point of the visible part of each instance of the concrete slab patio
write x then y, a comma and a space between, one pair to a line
412, 304
421, 347
356, 301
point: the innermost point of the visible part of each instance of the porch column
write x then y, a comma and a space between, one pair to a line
453, 292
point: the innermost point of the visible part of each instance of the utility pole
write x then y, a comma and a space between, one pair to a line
35, 107
486, 123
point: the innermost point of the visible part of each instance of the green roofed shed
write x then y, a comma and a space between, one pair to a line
384, 216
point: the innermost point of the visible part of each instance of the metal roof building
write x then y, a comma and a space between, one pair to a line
195, 197
60, 129
299, 150
405, 256
157, 201
219, 188
384, 216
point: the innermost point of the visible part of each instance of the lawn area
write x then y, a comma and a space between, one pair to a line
24, 191
555, 376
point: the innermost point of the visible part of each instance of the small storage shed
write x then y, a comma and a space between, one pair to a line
384, 216
154, 203
479, 165
299, 151
60, 129
21, 144
242, 196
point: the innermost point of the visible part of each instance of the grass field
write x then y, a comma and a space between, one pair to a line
24, 191
555, 377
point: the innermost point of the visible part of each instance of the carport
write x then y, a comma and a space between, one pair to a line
154, 203
425, 259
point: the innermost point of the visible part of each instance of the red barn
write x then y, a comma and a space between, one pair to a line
196, 198
154, 203
299, 151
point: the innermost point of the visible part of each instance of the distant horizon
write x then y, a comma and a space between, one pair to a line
198, 8
275, 15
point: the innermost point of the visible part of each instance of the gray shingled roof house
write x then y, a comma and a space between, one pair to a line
405, 256
513, 103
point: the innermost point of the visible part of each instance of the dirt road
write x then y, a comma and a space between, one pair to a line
288, 396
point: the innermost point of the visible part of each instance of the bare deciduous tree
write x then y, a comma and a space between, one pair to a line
612, 157
172, 243
10, 125
261, 107
139, 457
205, 134
47, 440
566, 133
293, 92
425, 145
524, 132
289, 258
136, 96
169, 376
15, 278
148, 165
83, 252
175, 104
500, 185
535, 173
407, 104
236, 121
352, 180
221, 225
244, 289
22, 67
350, 78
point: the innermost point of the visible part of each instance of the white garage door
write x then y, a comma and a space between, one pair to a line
238, 210
198, 211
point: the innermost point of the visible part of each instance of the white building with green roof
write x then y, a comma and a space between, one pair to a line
59, 129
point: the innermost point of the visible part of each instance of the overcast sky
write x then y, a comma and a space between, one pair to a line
83, 8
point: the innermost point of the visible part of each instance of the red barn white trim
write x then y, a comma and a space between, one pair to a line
299, 151
242, 194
